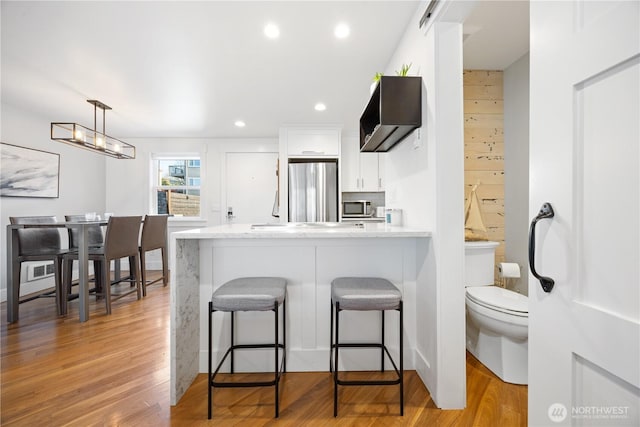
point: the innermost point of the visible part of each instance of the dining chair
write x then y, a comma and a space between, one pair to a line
38, 244
95, 239
154, 236
121, 241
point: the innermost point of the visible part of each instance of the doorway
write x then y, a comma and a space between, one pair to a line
250, 183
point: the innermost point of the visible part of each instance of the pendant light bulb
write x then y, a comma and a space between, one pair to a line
99, 142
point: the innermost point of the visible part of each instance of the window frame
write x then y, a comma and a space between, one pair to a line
154, 179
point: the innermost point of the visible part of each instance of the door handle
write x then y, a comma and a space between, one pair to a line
546, 211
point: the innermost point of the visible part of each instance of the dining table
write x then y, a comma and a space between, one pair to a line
13, 291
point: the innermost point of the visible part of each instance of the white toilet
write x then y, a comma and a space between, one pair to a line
497, 318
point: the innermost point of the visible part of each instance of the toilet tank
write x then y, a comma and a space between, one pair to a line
479, 261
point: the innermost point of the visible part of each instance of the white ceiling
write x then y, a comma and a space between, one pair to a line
191, 69
496, 34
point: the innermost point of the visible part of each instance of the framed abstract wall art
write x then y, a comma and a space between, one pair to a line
26, 172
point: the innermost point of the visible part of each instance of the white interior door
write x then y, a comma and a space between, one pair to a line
584, 336
250, 183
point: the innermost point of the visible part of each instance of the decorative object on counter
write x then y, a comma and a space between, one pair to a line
474, 229
393, 111
364, 294
249, 294
26, 172
92, 139
394, 217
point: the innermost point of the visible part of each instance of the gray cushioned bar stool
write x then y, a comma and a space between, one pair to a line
364, 294
249, 294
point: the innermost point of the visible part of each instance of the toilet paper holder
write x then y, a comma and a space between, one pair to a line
509, 270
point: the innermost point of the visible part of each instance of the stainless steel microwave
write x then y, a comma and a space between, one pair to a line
356, 209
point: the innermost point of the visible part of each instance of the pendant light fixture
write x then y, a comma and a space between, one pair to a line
92, 139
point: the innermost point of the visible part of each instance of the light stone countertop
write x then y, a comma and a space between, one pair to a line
301, 231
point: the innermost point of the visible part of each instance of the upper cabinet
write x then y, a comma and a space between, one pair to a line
310, 142
394, 110
361, 172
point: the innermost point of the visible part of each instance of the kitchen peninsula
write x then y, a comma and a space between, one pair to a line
309, 257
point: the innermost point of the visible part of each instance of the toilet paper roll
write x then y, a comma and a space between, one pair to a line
509, 269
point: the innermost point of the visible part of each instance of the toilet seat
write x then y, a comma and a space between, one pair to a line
499, 299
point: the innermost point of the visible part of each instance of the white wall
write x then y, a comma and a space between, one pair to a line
81, 185
516, 169
424, 176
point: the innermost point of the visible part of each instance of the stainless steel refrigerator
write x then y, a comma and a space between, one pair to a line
313, 190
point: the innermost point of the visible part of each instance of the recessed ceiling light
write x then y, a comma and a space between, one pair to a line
342, 31
271, 30
320, 106
240, 123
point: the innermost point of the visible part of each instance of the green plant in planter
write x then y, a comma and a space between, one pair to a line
377, 77
404, 71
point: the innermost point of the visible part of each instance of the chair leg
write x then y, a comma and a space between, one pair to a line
143, 272
67, 272
382, 348
97, 275
165, 267
233, 315
275, 371
61, 293
401, 362
284, 335
335, 371
132, 260
106, 287
210, 391
136, 275
331, 341
14, 292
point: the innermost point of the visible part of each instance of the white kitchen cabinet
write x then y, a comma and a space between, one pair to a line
381, 171
361, 171
309, 142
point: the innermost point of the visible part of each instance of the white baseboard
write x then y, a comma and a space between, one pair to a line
32, 287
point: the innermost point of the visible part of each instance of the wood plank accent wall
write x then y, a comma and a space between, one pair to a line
484, 148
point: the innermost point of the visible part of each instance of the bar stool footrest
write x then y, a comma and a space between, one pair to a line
363, 345
368, 382
231, 384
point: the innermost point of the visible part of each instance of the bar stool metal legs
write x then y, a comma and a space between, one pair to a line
345, 294
232, 305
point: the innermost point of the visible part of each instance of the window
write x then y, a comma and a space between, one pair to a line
176, 185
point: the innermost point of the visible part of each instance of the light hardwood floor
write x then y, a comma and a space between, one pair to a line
114, 371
